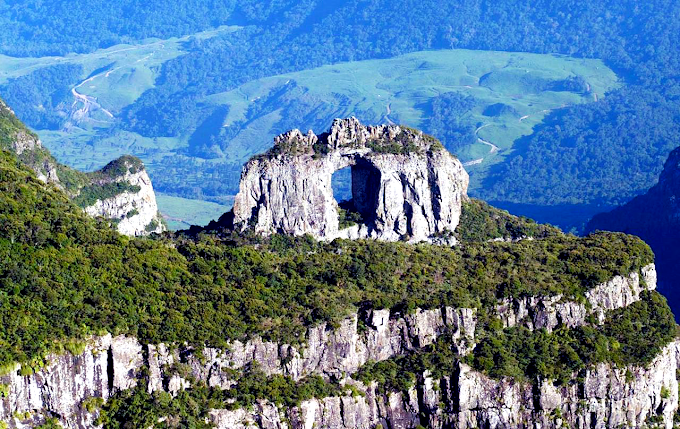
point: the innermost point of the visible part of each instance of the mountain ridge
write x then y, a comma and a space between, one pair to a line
121, 191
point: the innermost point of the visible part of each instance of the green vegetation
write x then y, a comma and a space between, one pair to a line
209, 289
481, 222
261, 109
348, 215
152, 226
92, 193
630, 336
50, 423
400, 373
119, 167
62, 23
87, 187
36, 157
254, 384
393, 148
600, 152
93, 403
137, 408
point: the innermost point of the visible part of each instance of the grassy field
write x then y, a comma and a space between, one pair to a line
181, 213
115, 77
395, 90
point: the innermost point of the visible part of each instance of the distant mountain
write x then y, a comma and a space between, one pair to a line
654, 217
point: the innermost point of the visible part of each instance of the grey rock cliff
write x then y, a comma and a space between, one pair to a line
551, 311
136, 212
405, 185
607, 397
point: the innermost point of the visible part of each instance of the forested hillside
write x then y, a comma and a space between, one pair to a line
65, 277
633, 128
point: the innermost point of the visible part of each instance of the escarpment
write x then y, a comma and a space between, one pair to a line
405, 185
460, 396
519, 326
121, 192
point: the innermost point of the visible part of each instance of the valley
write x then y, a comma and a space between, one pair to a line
507, 95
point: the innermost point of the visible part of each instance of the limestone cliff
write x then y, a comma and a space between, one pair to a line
132, 203
405, 185
122, 189
606, 396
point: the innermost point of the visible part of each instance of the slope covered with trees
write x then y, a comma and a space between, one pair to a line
64, 276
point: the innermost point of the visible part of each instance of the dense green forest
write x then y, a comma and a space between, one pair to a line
64, 276
38, 28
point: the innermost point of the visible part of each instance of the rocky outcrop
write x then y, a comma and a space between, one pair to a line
26, 146
405, 185
334, 352
112, 364
134, 210
63, 385
548, 312
607, 396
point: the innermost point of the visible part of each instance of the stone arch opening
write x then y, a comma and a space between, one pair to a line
356, 188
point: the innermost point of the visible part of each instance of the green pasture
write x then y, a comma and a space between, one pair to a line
181, 213
397, 89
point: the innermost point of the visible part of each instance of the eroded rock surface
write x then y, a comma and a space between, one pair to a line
135, 209
606, 396
405, 185
548, 312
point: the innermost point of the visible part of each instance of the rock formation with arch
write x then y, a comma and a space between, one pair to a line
405, 185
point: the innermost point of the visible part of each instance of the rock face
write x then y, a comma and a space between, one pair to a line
607, 396
553, 311
26, 146
405, 185
134, 209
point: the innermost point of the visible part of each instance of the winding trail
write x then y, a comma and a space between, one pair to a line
89, 103
389, 112
493, 148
